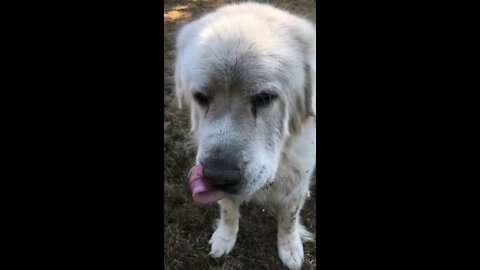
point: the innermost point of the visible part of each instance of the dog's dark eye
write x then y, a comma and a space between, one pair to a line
201, 99
262, 99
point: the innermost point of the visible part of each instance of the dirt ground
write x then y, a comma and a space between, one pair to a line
188, 226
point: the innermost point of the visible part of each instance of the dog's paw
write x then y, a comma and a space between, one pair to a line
222, 242
290, 250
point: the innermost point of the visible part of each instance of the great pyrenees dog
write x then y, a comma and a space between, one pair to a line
248, 72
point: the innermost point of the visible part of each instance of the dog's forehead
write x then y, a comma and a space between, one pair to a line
240, 61
239, 85
242, 75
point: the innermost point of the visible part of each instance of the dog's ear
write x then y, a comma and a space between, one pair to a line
182, 91
305, 33
311, 87
311, 70
182, 85
303, 105
183, 96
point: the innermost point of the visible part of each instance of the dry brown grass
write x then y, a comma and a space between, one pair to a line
188, 225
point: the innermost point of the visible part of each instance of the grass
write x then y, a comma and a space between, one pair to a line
187, 225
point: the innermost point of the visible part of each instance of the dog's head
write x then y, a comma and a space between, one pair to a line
249, 89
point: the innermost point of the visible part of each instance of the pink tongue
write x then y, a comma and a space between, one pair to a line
202, 191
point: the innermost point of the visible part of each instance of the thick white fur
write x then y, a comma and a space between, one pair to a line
284, 48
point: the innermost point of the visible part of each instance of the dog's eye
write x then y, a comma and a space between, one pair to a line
263, 99
201, 99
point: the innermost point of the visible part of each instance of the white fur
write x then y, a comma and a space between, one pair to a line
268, 50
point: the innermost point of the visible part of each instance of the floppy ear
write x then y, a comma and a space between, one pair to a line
311, 88
183, 96
305, 33
182, 90
182, 85
184, 101
311, 62
303, 106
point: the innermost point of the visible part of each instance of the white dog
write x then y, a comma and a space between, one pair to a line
247, 71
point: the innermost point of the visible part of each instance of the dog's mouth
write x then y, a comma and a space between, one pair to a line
202, 191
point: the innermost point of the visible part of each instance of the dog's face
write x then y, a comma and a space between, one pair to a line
247, 94
240, 134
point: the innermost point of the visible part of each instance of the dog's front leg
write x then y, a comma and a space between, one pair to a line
224, 237
290, 234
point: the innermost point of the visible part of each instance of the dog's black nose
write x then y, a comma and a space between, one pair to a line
222, 174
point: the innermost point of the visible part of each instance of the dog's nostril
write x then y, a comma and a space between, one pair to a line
221, 177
